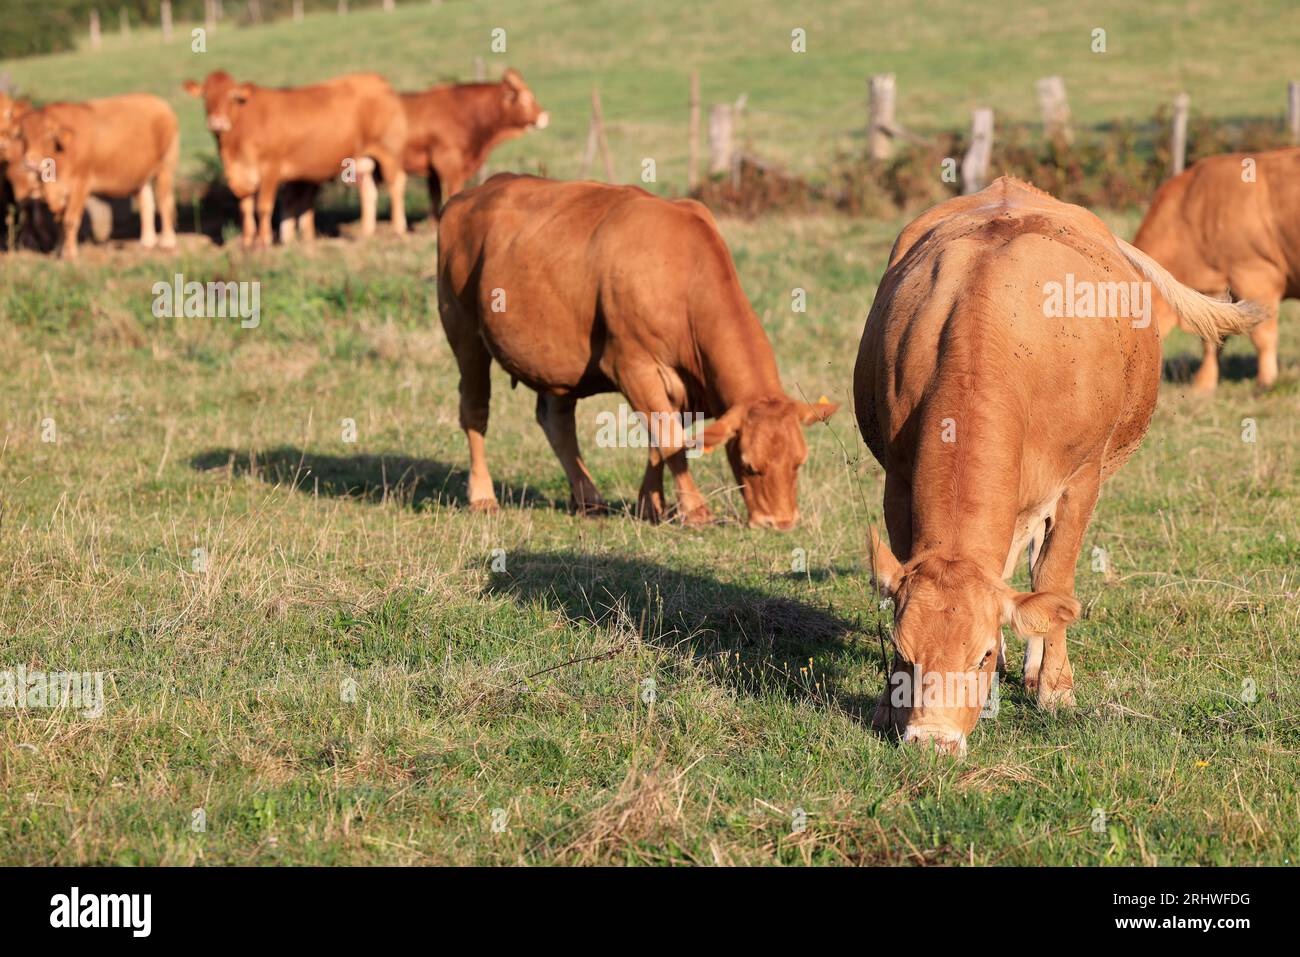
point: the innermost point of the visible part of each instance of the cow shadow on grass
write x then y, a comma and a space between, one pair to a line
416, 483
1180, 369
753, 641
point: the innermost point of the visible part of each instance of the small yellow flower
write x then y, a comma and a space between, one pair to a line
1202, 764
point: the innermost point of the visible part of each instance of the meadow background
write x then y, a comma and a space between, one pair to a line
503, 716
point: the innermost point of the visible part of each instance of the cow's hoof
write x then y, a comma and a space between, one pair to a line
484, 505
650, 508
883, 718
149, 243
168, 242
1053, 699
700, 515
589, 509
1203, 388
1031, 684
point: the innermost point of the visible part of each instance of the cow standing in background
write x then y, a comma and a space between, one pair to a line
996, 420
306, 135
451, 129
582, 288
1231, 225
116, 147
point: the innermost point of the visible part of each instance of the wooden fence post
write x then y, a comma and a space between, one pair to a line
721, 138
124, 23
388, 6
95, 39
297, 11
1178, 143
343, 7
480, 71
210, 15
1055, 109
880, 116
165, 12
254, 10
975, 164
693, 136
1293, 111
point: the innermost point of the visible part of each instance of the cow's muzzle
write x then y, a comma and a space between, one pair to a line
218, 124
944, 740
543, 121
771, 521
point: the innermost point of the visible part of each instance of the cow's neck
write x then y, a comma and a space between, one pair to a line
486, 121
735, 359
966, 478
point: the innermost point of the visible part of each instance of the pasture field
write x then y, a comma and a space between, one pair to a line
522, 689
259, 535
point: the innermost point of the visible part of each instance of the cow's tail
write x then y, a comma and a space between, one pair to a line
1209, 318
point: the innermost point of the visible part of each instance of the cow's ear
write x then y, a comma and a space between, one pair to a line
886, 570
819, 411
1037, 613
192, 88
512, 78
723, 428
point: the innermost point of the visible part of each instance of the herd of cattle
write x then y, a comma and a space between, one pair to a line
56, 156
996, 419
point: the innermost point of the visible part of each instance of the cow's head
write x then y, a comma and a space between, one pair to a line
765, 446
948, 618
520, 106
41, 154
222, 97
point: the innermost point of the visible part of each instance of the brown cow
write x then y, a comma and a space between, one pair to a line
307, 134
451, 129
115, 147
997, 415
582, 288
1231, 224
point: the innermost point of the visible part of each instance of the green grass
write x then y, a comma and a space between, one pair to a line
949, 56
523, 690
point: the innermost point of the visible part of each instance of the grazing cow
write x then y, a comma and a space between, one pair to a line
1229, 225
10, 152
306, 135
996, 415
115, 147
451, 129
581, 288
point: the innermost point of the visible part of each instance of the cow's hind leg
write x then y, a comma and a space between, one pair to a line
148, 231
475, 364
165, 184
1054, 571
555, 414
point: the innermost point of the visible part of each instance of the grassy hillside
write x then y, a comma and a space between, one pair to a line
949, 56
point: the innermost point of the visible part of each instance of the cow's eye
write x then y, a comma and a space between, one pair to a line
985, 660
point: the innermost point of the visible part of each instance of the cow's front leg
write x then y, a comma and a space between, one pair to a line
248, 221
650, 499
691, 505
555, 414
265, 210
72, 214
1207, 376
1054, 571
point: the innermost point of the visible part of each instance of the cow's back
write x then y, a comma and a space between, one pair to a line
958, 337
309, 132
119, 142
567, 278
1226, 219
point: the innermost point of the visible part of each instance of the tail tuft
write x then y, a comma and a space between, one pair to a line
1207, 317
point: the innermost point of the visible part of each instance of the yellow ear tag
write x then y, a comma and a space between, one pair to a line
823, 401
